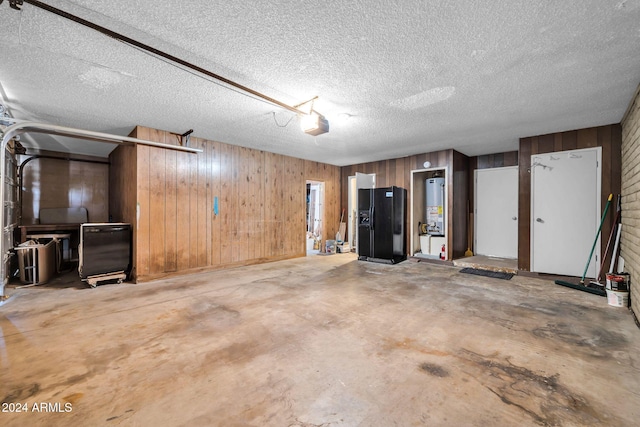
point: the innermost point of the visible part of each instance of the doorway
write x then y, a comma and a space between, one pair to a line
428, 224
565, 211
315, 214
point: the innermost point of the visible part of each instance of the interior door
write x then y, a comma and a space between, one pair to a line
360, 180
565, 211
496, 212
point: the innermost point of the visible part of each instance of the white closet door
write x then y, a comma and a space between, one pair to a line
565, 211
496, 212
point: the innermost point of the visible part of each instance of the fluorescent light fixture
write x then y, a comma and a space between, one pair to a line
314, 124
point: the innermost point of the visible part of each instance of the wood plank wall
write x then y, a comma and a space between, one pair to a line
398, 172
60, 183
261, 201
608, 137
122, 186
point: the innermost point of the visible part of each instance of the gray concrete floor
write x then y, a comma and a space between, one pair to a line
319, 341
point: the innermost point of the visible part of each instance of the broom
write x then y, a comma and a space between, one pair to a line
581, 286
469, 252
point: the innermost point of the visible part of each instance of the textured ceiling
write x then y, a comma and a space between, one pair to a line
410, 76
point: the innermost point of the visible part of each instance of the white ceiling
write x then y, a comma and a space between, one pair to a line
415, 76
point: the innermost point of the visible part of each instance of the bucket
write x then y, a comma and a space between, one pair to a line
618, 282
330, 246
617, 299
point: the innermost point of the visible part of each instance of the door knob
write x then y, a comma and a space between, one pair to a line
514, 218
539, 220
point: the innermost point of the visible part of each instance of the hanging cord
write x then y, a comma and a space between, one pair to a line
278, 124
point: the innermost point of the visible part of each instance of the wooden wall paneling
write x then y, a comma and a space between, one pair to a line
450, 200
262, 220
524, 205
225, 204
91, 180
385, 180
183, 210
296, 212
587, 138
123, 192
215, 220
616, 158
399, 174
208, 213
234, 205
288, 201
511, 158
546, 144
193, 204
335, 208
603, 136
242, 214
157, 202
60, 183
142, 230
203, 240
245, 209
444, 158
171, 210
557, 142
569, 140
254, 213
460, 197
274, 206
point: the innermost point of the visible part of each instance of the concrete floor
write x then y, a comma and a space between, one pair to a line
320, 341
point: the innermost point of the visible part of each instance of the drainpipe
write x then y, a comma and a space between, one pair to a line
17, 127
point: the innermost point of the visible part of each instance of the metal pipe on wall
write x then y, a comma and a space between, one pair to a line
19, 127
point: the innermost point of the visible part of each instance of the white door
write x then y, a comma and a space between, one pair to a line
361, 180
565, 211
496, 212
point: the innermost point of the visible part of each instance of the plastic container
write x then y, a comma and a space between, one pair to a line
618, 282
330, 246
617, 298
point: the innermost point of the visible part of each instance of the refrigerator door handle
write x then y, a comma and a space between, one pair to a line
372, 220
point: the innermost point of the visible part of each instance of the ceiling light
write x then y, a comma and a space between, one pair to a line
314, 124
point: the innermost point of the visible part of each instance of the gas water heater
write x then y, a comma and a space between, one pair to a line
434, 215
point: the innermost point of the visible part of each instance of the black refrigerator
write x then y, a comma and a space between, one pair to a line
381, 228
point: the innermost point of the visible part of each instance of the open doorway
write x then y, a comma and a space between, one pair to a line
428, 214
315, 214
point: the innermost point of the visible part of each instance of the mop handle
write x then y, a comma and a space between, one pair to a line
604, 215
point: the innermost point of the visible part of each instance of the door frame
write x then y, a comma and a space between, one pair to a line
598, 245
413, 224
321, 210
352, 202
475, 206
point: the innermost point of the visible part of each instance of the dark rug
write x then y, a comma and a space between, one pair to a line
487, 273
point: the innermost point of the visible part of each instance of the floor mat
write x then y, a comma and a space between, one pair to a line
487, 273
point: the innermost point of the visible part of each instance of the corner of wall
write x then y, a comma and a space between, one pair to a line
630, 240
